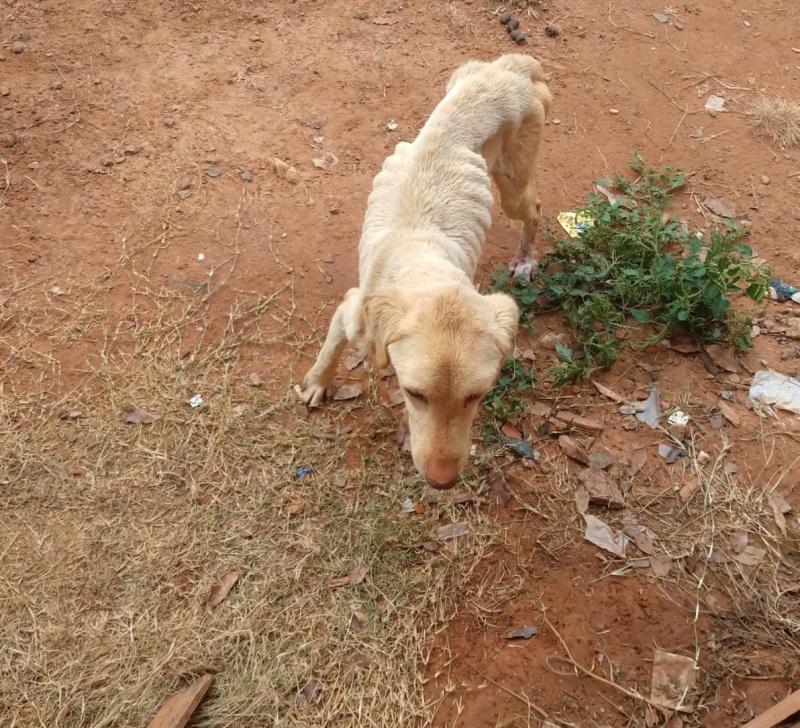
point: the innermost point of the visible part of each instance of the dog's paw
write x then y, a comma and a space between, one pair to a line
524, 268
312, 392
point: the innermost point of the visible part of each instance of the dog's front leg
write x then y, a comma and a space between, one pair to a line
318, 382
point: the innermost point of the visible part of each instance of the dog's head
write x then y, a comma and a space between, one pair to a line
446, 346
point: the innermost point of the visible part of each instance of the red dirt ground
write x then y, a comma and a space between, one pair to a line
109, 104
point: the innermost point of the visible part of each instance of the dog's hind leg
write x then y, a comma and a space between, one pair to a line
345, 325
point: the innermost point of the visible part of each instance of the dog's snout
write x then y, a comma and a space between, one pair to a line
441, 474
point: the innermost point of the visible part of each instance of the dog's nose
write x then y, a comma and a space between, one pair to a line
441, 475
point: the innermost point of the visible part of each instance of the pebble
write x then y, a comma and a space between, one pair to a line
504, 18
391, 125
57, 85
183, 194
613, 112
183, 183
24, 36
33, 165
4, 90
214, 170
132, 149
17, 46
169, 123
764, 179
247, 175
316, 124
9, 140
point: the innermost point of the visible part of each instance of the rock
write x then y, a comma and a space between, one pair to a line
24, 36
764, 179
4, 90
247, 175
183, 194
613, 112
132, 149
214, 170
17, 46
169, 123
183, 183
8, 140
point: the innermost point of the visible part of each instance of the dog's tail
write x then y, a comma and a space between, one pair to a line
531, 68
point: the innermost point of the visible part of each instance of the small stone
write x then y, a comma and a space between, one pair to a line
551, 31
505, 18
360, 15
555, 121
613, 112
183, 194
17, 46
169, 123
247, 175
214, 171
132, 149
33, 165
512, 24
391, 125
316, 124
764, 179
183, 183
9, 140
24, 36
4, 90
56, 85
677, 25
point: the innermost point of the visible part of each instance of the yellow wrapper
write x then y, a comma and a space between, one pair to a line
575, 223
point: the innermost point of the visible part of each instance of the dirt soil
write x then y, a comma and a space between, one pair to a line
149, 129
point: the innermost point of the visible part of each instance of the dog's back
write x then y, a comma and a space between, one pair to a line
440, 184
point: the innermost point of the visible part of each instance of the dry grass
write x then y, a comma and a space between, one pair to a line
112, 535
779, 119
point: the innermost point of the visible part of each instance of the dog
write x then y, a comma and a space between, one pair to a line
427, 216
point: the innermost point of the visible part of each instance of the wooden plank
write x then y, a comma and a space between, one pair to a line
177, 711
786, 708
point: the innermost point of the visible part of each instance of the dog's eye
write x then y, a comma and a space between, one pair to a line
472, 398
417, 396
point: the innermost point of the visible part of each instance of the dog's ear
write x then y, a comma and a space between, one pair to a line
506, 316
385, 312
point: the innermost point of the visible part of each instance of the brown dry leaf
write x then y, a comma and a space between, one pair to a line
452, 530
223, 588
739, 541
718, 207
525, 632
601, 460
683, 347
638, 460
510, 431
339, 480
540, 409
179, 708
729, 413
326, 161
353, 361
642, 537
138, 416
660, 566
602, 535
586, 424
348, 391
356, 576
499, 490
751, 556
572, 449
602, 490
724, 357
581, 500
357, 620
608, 392
780, 507
295, 509
688, 489
673, 681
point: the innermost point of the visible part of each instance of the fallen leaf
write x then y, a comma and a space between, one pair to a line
602, 490
601, 460
607, 392
498, 488
348, 391
739, 541
339, 480
309, 691
178, 709
522, 633
724, 357
223, 588
715, 103
295, 509
255, 380
356, 576
431, 546
582, 500
138, 416
353, 361
688, 489
751, 556
651, 412
461, 498
357, 620
572, 449
660, 566
601, 534
452, 530
780, 507
510, 431
586, 424
637, 460
642, 537
326, 161
670, 453
729, 413
673, 681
